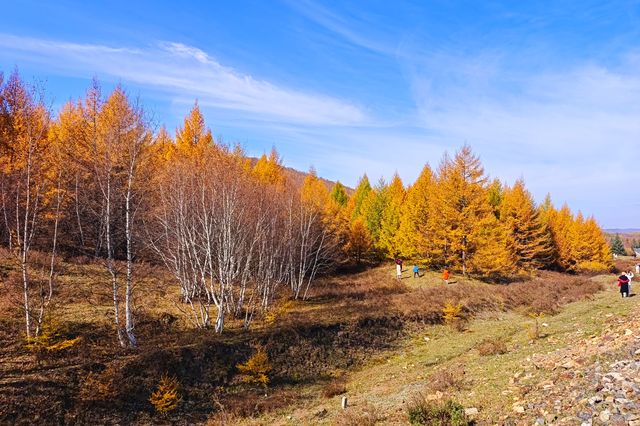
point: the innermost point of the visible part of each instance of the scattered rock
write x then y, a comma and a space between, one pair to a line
471, 411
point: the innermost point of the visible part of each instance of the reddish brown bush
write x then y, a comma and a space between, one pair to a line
335, 387
448, 378
492, 346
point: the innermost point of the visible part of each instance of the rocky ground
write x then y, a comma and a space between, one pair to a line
593, 381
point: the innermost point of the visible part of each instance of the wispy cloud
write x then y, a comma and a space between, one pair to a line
185, 70
574, 131
342, 26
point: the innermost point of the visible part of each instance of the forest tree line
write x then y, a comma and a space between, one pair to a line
98, 179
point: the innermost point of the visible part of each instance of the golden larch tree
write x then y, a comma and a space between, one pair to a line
413, 238
527, 239
390, 220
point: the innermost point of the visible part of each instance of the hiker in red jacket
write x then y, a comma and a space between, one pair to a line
623, 283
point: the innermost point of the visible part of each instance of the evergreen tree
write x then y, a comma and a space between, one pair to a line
358, 197
372, 209
339, 194
617, 246
496, 194
390, 222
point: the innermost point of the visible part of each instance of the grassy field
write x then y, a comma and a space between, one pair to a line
379, 341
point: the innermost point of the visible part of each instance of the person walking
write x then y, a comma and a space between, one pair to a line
623, 283
398, 268
445, 276
416, 271
630, 276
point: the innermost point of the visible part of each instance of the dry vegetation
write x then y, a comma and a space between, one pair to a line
347, 321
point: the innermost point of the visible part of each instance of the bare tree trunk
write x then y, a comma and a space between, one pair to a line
129, 325
110, 263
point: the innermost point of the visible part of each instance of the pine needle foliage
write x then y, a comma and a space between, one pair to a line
257, 368
166, 397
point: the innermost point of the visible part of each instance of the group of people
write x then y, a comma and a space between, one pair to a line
416, 271
624, 281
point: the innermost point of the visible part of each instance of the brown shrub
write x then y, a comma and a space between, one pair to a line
362, 415
101, 386
337, 386
546, 293
492, 346
448, 378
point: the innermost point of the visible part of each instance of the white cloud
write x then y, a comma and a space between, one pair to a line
188, 71
573, 132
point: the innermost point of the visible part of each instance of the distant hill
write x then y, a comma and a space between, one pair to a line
297, 177
622, 231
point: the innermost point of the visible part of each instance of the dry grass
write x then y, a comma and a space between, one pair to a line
492, 346
347, 321
450, 378
363, 415
337, 386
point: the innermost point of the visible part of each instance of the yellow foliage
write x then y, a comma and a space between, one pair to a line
166, 396
272, 315
390, 220
314, 193
413, 239
451, 312
528, 240
269, 169
50, 339
256, 369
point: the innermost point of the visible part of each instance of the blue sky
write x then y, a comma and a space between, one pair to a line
546, 91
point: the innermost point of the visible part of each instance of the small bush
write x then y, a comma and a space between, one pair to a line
492, 346
365, 415
99, 387
448, 378
335, 387
451, 312
166, 397
534, 331
256, 369
449, 413
51, 340
452, 316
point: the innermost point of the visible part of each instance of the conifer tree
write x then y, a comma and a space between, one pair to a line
561, 225
358, 197
372, 209
527, 239
269, 169
193, 135
545, 212
339, 194
414, 237
390, 221
591, 248
496, 194
461, 216
617, 246
359, 242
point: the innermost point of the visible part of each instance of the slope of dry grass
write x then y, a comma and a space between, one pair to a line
349, 321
